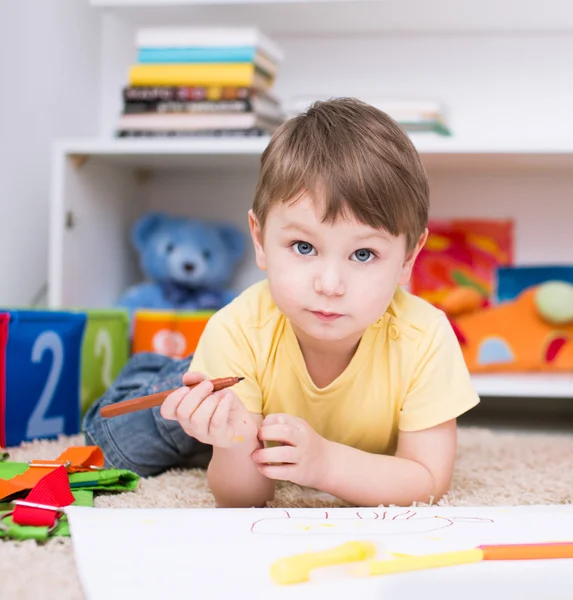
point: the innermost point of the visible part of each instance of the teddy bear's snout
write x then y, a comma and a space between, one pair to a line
189, 267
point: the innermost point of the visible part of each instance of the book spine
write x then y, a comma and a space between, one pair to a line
196, 106
237, 74
194, 55
186, 93
207, 37
250, 132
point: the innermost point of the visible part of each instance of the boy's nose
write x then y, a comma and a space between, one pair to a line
329, 281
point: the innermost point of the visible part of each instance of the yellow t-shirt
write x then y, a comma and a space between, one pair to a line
408, 372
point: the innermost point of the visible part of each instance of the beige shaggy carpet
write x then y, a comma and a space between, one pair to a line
494, 468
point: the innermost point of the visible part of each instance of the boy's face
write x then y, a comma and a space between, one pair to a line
331, 281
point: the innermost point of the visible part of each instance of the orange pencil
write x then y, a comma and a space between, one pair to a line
133, 404
527, 551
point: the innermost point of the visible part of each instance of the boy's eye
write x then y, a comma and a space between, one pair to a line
303, 248
363, 255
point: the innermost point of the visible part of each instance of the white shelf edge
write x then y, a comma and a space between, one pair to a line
190, 3
524, 385
253, 146
191, 146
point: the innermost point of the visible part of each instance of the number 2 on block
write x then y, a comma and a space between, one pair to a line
103, 345
39, 425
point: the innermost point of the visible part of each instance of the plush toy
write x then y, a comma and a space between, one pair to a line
188, 263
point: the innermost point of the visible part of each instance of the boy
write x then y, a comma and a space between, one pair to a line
351, 385
358, 382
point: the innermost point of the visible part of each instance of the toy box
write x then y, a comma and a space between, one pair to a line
171, 333
42, 375
105, 350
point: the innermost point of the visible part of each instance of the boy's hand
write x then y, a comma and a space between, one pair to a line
216, 418
303, 452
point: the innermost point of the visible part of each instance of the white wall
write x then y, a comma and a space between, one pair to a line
49, 88
496, 85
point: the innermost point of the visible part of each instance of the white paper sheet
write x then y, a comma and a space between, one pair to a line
226, 553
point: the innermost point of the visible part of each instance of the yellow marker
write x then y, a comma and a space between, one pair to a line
417, 563
296, 569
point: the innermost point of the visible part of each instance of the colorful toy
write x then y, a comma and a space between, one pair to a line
512, 280
554, 302
534, 332
188, 262
36, 495
462, 253
461, 300
171, 333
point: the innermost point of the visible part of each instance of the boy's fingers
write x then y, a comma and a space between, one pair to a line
192, 377
169, 407
201, 416
285, 433
278, 454
280, 472
192, 400
278, 418
220, 417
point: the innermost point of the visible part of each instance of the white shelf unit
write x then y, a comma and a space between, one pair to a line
504, 72
100, 186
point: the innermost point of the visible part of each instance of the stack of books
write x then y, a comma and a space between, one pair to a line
201, 82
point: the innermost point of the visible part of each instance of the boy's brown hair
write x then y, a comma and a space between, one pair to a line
356, 159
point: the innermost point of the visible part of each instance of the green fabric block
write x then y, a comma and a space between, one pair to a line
105, 350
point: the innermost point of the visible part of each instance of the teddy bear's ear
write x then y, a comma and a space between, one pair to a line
234, 240
144, 227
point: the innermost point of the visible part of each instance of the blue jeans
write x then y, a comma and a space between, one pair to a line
143, 441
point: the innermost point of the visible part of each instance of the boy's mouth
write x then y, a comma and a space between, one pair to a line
326, 316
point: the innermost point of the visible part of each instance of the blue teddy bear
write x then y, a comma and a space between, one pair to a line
188, 263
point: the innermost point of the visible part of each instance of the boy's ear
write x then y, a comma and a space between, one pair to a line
411, 259
257, 237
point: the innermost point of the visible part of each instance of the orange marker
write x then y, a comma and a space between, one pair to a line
527, 551
133, 404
